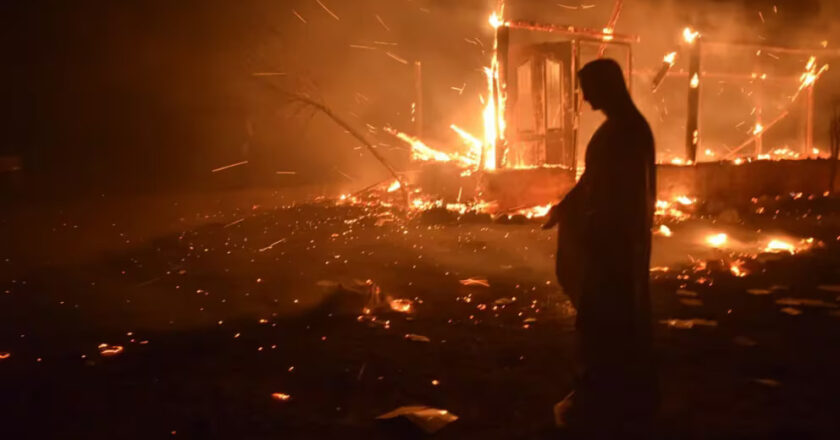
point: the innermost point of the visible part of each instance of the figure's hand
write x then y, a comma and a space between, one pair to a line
553, 217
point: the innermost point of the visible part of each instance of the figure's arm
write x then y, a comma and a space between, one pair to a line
573, 198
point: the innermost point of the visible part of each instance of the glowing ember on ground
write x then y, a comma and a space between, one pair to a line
685, 201
5, 355
674, 209
737, 269
402, 305
536, 211
717, 240
110, 350
475, 282
394, 186
280, 396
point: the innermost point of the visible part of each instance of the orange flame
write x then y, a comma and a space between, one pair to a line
690, 35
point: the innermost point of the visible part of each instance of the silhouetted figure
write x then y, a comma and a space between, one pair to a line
603, 263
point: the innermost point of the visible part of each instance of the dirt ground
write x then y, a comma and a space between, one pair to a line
218, 301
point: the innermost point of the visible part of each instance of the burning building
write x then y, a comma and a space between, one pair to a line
536, 124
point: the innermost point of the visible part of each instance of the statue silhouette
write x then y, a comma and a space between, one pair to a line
603, 263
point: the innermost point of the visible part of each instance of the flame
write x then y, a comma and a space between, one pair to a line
671, 58
422, 152
608, 31
810, 76
777, 245
5, 355
496, 21
684, 200
473, 142
665, 208
695, 81
737, 269
690, 35
482, 153
758, 129
536, 211
717, 240
664, 231
394, 186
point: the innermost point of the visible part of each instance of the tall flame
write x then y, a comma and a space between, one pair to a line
482, 154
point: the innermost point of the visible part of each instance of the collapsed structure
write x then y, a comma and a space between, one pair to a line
536, 126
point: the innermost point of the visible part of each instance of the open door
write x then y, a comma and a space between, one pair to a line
543, 110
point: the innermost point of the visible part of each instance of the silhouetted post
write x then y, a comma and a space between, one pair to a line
692, 137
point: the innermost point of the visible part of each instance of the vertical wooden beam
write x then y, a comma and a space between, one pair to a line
759, 107
576, 103
502, 57
418, 99
692, 136
809, 122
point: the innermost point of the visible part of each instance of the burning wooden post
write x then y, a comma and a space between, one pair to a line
500, 90
667, 63
616, 13
692, 141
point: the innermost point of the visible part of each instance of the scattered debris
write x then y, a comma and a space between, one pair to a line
475, 282
806, 302
768, 382
417, 338
110, 350
685, 324
430, 420
744, 341
504, 301
791, 311
759, 291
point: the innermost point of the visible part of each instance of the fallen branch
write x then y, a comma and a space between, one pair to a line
308, 101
